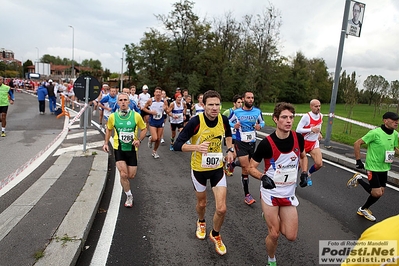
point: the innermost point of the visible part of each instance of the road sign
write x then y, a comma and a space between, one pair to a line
79, 87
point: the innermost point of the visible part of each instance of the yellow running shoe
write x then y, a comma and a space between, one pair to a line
201, 230
3, 134
219, 246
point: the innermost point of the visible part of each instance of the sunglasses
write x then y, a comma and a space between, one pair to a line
125, 100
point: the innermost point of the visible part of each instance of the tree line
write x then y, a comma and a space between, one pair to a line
232, 56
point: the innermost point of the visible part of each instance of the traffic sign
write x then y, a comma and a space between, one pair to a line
79, 87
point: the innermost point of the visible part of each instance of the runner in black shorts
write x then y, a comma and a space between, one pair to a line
382, 143
125, 124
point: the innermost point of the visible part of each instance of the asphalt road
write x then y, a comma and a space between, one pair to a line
160, 228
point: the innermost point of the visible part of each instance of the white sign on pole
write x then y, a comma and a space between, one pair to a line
355, 21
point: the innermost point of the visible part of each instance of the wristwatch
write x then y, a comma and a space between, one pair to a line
230, 149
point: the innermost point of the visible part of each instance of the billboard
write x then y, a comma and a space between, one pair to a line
42, 68
355, 21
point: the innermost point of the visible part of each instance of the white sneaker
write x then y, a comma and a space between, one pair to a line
129, 201
162, 141
149, 142
353, 181
366, 213
155, 155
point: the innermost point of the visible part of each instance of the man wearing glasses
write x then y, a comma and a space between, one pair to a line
125, 123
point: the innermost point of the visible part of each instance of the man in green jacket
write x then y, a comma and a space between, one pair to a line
6, 97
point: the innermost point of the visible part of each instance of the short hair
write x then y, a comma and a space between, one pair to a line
236, 98
243, 96
357, 4
211, 94
281, 107
158, 88
123, 93
132, 87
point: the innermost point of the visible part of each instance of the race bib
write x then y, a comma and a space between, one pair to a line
211, 159
157, 116
389, 155
285, 177
126, 137
248, 136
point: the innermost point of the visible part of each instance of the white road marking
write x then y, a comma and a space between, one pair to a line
90, 145
100, 255
80, 134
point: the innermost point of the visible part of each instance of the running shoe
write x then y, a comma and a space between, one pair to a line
353, 181
162, 141
219, 246
3, 134
249, 200
149, 142
201, 230
171, 147
129, 201
155, 155
366, 213
272, 263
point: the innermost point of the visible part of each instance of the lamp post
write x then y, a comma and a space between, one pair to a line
37, 54
73, 43
37, 61
121, 84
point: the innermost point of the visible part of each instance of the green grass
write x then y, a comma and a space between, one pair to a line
342, 132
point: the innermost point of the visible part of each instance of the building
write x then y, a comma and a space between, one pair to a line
7, 56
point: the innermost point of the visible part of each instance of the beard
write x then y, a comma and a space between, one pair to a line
248, 105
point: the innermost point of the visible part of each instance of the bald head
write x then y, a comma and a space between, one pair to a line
315, 106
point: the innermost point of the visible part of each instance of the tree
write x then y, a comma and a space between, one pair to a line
348, 85
377, 88
395, 93
189, 37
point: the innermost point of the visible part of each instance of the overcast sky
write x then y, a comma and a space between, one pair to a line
102, 28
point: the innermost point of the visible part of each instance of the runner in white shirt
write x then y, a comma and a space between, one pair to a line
310, 128
142, 100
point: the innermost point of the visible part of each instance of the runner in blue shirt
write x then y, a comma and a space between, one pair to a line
246, 120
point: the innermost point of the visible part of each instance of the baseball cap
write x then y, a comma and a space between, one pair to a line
50, 81
145, 87
390, 115
178, 89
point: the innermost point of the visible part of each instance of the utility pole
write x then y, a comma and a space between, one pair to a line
73, 49
337, 75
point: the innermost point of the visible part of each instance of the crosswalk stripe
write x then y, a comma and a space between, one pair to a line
90, 145
80, 134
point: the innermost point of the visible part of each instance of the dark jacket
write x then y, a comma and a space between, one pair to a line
50, 90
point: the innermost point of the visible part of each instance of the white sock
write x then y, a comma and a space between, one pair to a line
271, 259
129, 193
3, 129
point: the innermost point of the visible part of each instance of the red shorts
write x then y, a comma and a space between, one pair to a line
310, 145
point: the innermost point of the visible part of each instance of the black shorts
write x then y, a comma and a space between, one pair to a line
130, 157
244, 148
3, 109
173, 127
214, 176
186, 118
377, 179
143, 113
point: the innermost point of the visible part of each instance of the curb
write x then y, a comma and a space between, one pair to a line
70, 237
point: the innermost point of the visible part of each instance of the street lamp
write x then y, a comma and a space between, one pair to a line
73, 43
37, 62
37, 54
